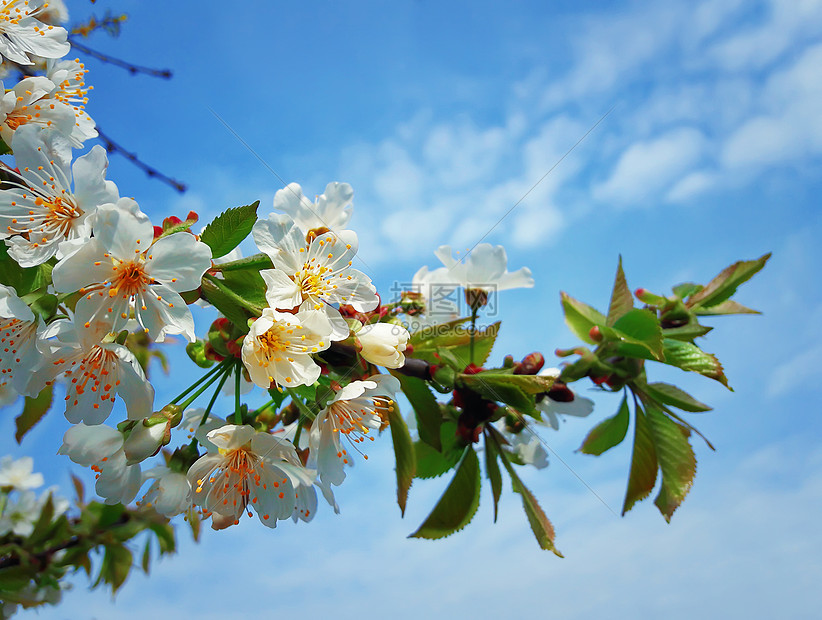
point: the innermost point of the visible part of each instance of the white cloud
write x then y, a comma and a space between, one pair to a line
646, 168
802, 369
692, 185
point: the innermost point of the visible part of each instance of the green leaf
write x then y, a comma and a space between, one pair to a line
581, 317
247, 284
227, 306
676, 460
426, 408
671, 395
404, 454
115, 567
690, 357
492, 470
146, 561
458, 503
432, 463
165, 536
41, 528
688, 333
621, 299
686, 289
23, 280
644, 466
229, 228
540, 525
724, 285
729, 306
608, 433
456, 340
500, 391
530, 384
641, 327
33, 411
4, 148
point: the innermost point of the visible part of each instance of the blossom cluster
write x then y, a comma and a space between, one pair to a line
107, 277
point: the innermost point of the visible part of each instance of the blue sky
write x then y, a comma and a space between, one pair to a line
442, 116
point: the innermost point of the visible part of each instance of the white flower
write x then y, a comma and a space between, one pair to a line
278, 348
118, 481
193, 423
529, 448
30, 102
170, 493
40, 210
436, 293
313, 275
18, 474
383, 344
332, 209
485, 268
249, 469
22, 34
101, 448
123, 268
20, 516
575, 405
94, 371
19, 330
357, 409
54, 12
69, 77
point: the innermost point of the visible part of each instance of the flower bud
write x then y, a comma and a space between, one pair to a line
595, 334
531, 364
146, 439
383, 344
476, 298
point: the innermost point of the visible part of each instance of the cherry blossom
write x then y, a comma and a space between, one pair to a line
313, 274
249, 469
95, 370
278, 348
331, 210
22, 34
484, 268
41, 210
19, 332
357, 409
123, 269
